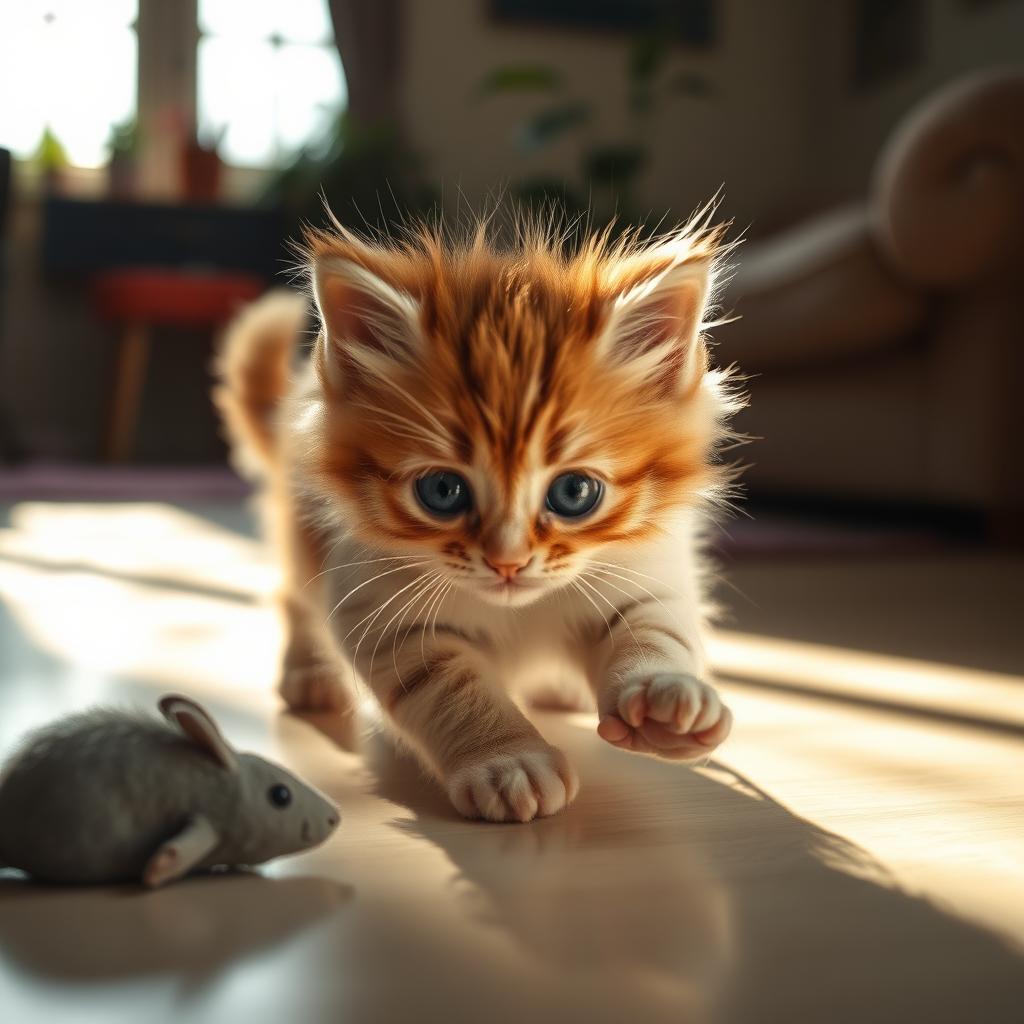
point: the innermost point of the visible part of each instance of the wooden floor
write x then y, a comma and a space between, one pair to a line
856, 853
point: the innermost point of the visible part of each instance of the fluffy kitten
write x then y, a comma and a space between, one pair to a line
487, 477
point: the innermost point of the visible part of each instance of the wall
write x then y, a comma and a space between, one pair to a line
849, 125
749, 136
785, 132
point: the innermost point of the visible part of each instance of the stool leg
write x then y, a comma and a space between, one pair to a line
129, 377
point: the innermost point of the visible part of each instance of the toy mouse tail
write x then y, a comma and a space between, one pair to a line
253, 368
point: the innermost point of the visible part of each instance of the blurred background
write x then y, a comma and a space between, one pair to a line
155, 158
159, 156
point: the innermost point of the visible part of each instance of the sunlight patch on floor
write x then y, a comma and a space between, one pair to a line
862, 676
148, 540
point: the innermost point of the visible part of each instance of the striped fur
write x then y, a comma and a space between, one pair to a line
508, 364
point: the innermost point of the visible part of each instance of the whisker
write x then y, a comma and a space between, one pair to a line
434, 605
366, 583
437, 611
420, 618
611, 604
376, 614
635, 572
365, 561
425, 581
411, 431
632, 583
425, 595
396, 416
330, 551
575, 584
417, 405
380, 607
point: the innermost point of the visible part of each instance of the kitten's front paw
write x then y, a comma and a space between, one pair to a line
514, 786
671, 714
315, 687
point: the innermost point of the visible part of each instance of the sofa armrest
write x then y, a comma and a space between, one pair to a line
948, 194
815, 294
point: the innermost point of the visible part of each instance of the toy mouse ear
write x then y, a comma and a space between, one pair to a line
199, 727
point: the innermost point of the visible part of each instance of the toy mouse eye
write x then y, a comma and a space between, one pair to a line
279, 795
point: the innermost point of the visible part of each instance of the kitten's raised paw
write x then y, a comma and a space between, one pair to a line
315, 687
670, 714
514, 786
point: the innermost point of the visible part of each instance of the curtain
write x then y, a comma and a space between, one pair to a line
369, 35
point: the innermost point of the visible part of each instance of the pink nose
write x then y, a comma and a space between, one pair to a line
508, 569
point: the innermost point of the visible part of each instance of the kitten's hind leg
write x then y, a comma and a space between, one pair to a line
314, 676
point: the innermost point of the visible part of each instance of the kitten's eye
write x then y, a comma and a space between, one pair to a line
443, 493
279, 795
573, 495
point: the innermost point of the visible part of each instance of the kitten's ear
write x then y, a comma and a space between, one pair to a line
366, 321
655, 326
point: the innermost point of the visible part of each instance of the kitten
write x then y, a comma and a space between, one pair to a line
489, 476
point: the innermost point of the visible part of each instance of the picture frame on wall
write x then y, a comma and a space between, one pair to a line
691, 22
888, 40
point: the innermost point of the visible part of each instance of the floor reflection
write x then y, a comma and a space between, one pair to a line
192, 930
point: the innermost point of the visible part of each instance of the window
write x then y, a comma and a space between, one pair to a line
50, 76
269, 77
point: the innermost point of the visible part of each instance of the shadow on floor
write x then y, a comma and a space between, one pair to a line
150, 580
192, 929
730, 907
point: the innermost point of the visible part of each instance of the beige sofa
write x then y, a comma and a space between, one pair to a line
887, 339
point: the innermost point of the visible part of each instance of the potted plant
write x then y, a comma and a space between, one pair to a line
123, 147
610, 167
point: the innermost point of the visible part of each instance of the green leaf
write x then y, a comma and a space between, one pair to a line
614, 164
551, 123
689, 83
50, 154
646, 57
517, 78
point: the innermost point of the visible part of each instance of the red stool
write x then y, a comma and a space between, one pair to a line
138, 300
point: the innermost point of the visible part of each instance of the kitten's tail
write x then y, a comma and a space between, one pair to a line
253, 369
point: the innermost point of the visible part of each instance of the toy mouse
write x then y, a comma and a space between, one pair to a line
110, 796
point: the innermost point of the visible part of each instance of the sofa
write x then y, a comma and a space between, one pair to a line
885, 340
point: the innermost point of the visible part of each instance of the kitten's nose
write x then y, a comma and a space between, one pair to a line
507, 568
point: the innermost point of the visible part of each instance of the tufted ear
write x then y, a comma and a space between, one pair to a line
655, 326
366, 321
198, 726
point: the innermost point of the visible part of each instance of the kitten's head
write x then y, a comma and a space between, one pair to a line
510, 414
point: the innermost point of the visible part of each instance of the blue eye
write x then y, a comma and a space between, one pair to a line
443, 494
573, 495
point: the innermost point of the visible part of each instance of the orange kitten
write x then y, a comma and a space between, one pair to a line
489, 477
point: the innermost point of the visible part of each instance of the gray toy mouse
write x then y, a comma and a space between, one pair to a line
110, 796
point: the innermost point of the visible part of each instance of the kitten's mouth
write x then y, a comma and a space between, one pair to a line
508, 586
513, 591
